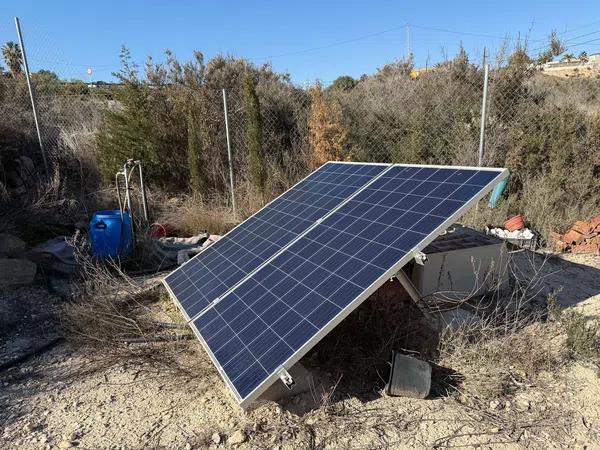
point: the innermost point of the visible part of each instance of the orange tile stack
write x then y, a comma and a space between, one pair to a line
582, 237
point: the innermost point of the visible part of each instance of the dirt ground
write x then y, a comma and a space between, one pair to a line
75, 396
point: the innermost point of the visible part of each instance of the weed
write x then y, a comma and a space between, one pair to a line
583, 336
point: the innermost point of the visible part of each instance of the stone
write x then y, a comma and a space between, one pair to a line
65, 444
494, 404
73, 436
238, 437
523, 404
216, 438
11, 245
15, 272
188, 446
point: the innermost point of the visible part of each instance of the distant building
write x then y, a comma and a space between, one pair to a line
574, 67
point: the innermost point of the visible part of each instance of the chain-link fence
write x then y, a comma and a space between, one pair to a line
545, 128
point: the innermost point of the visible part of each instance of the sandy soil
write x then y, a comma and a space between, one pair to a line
73, 397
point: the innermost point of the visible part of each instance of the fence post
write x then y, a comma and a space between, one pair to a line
31, 95
229, 155
483, 112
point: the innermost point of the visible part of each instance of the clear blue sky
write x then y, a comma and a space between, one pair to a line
309, 39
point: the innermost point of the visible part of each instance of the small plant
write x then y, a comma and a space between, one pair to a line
554, 308
583, 337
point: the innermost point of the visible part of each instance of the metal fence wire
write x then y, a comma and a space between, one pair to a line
533, 120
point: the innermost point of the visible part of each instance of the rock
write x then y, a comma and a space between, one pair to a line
188, 446
523, 404
73, 436
11, 245
494, 404
14, 272
216, 438
238, 437
65, 444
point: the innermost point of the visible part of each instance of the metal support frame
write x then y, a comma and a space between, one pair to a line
420, 258
229, 158
286, 378
31, 95
410, 288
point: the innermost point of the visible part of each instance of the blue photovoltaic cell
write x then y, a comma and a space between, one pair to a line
217, 269
258, 326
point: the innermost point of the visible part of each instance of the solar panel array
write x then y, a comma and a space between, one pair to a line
217, 269
275, 315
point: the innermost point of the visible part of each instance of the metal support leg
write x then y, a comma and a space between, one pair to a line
408, 285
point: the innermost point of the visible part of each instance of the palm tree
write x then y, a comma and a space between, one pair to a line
568, 57
13, 58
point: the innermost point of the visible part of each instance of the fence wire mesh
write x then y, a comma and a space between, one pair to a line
537, 123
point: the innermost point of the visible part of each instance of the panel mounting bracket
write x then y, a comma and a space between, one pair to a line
420, 258
286, 378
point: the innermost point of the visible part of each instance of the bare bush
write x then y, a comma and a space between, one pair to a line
122, 318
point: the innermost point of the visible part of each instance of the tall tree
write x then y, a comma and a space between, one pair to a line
256, 160
13, 58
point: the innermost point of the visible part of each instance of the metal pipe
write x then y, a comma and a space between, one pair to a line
31, 95
414, 293
229, 155
143, 191
483, 113
119, 193
128, 198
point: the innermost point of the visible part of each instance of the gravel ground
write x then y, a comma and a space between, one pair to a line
70, 396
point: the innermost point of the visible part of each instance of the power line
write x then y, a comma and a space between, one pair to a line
584, 43
582, 35
333, 44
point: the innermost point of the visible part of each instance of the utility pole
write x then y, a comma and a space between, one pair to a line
31, 95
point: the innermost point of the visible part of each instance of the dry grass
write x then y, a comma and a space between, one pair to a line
122, 319
191, 215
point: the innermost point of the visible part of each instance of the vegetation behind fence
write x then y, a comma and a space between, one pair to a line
546, 130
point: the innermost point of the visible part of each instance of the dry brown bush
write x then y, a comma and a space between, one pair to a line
193, 215
123, 320
327, 133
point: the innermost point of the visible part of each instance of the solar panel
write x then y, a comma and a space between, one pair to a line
196, 284
276, 314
